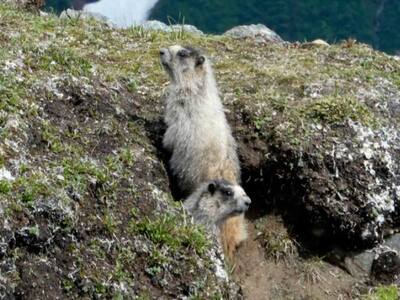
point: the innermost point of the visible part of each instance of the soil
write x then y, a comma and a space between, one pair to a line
292, 277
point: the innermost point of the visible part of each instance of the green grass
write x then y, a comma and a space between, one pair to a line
30, 187
169, 230
384, 293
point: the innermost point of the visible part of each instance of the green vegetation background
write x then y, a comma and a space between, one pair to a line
294, 20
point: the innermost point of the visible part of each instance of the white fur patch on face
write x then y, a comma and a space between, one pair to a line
238, 191
175, 49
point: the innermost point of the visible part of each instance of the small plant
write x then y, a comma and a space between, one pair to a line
178, 34
127, 157
5, 187
31, 187
279, 246
312, 270
110, 224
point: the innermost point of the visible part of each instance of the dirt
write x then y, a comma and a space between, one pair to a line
291, 277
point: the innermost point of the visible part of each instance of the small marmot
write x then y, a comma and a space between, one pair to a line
198, 134
215, 201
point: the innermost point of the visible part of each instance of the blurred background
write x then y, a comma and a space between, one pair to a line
375, 22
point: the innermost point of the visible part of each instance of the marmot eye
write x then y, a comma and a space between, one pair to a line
228, 193
183, 54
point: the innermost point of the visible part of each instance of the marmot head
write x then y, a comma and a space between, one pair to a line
217, 200
183, 64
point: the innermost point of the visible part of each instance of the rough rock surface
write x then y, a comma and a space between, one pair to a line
335, 175
386, 268
258, 32
381, 262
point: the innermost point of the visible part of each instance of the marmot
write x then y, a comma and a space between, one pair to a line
198, 135
215, 201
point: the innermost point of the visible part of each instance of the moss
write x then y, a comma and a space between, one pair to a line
31, 187
5, 187
333, 110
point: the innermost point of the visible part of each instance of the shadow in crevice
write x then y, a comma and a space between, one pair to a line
275, 191
273, 187
155, 130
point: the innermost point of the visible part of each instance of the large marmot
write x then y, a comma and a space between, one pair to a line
198, 135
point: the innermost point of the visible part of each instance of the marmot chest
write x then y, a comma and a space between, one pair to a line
196, 119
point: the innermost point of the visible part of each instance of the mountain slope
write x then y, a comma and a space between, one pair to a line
372, 22
86, 209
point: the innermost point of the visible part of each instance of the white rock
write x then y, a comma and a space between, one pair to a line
160, 26
80, 14
258, 32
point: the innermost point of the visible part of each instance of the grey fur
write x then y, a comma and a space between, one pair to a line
212, 208
198, 134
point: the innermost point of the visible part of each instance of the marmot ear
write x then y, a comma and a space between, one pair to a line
200, 60
212, 186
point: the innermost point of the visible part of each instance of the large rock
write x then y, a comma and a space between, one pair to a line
157, 25
80, 14
326, 150
186, 28
342, 184
258, 32
382, 263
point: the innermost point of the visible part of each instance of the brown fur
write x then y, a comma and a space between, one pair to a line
234, 229
233, 233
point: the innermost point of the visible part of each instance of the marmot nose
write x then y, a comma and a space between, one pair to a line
247, 201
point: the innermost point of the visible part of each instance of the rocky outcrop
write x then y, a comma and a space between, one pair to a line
259, 32
79, 14
329, 162
381, 263
160, 26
